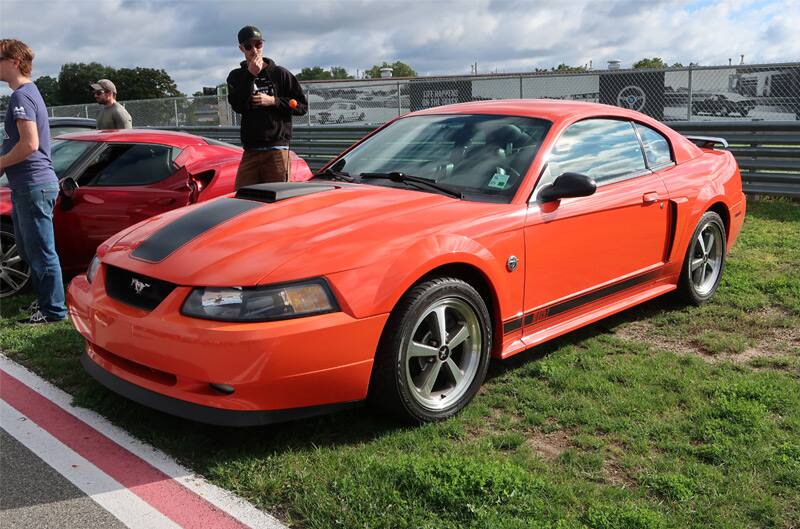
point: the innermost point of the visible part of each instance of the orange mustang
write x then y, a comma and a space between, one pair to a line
446, 237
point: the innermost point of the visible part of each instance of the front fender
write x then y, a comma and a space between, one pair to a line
367, 291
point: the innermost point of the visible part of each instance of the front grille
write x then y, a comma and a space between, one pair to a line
136, 289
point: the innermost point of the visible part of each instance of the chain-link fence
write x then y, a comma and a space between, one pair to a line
745, 92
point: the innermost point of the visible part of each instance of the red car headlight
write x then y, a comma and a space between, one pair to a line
255, 304
94, 266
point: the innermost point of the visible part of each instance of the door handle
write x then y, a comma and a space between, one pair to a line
650, 198
165, 201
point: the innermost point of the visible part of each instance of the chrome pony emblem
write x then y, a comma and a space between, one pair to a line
139, 286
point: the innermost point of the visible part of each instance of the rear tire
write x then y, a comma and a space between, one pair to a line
704, 261
15, 274
434, 353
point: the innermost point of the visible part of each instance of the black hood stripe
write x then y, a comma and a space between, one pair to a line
168, 239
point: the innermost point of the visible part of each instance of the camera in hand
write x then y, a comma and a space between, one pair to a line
263, 85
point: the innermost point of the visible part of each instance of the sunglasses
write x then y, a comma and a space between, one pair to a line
253, 44
99, 92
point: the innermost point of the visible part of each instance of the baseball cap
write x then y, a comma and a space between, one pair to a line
104, 84
248, 33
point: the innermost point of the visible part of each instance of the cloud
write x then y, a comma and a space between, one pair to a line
194, 41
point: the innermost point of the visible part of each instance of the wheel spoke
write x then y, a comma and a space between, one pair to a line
710, 243
430, 379
454, 370
10, 282
14, 260
702, 243
459, 338
441, 328
696, 264
19, 274
416, 349
11, 251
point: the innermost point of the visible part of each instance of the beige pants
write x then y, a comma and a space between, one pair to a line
258, 167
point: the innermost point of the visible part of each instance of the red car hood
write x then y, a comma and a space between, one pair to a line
326, 232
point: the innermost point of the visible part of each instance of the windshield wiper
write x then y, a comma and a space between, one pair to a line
414, 180
335, 175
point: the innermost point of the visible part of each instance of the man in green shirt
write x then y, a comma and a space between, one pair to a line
112, 115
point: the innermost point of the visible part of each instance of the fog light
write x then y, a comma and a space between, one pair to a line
225, 389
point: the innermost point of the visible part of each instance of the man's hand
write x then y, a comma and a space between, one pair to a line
262, 100
254, 66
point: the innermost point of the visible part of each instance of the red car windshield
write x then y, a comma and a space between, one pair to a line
481, 156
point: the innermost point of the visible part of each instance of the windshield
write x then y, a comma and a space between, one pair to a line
481, 156
64, 154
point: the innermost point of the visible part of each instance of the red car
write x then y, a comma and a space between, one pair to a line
447, 237
118, 178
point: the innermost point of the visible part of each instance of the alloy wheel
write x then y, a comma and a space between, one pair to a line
444, 353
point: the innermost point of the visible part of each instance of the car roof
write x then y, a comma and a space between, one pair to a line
163, 137
562, 113
554, 110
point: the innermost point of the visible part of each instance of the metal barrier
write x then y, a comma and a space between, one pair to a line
768, 152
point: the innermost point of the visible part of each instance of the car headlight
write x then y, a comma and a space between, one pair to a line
253, 304
94, 266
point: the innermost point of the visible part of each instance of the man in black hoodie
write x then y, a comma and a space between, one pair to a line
267, 96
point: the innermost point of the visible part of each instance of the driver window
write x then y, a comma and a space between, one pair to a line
604, 149
128, 165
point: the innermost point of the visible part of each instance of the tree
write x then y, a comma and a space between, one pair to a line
48, 87
144, 83
564, 68
338, 72
132, 83
4, 101
313, 74
655, 62
317, 73
399, 69
74, 80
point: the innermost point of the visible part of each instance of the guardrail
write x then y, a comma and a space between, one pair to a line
768, 152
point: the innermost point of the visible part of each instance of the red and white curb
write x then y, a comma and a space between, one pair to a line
139, 485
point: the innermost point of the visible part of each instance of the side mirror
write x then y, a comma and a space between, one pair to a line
566, 186
69, 186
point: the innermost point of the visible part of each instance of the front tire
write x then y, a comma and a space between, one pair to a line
15, 274
704, 260
434, 352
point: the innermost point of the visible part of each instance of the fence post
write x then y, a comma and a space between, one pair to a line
175, 101
689, 101
86, 111
520, 87
308, 107
399, 108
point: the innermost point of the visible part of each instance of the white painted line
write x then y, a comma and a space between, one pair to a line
126, 506
226, 501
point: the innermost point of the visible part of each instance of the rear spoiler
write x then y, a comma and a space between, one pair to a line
708, 142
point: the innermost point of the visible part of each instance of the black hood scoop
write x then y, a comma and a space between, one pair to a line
277, 191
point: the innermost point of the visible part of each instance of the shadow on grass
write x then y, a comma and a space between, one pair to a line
205, 446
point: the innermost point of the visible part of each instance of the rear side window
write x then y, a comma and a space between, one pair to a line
603, 149
656, 146
129, 165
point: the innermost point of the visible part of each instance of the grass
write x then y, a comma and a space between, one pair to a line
664, 416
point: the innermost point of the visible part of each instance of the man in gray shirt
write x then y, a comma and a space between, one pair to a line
112, 115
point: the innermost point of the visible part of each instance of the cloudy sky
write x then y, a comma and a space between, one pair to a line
195, 41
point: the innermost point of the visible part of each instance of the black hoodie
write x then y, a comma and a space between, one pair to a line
265, 126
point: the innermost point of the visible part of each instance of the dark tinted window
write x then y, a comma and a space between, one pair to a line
64, 153
656, 146
129, 165
603, 149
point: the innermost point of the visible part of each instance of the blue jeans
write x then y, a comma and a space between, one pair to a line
33, 230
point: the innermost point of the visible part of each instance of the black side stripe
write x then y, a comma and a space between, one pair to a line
168, 239
544, 313
512, 325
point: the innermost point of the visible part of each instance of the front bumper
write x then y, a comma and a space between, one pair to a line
168, 361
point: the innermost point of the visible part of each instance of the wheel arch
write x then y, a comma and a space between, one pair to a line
722, 210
